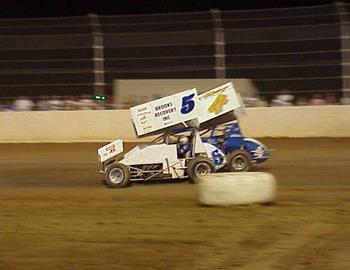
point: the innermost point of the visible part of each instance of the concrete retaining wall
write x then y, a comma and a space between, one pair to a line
297, 122
95, 126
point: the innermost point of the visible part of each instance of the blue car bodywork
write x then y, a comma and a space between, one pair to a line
229, 139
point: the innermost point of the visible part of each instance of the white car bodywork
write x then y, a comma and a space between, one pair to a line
164, 155
110, 150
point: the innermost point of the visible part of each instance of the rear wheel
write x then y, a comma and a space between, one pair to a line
117, 175
239, 161
200, 166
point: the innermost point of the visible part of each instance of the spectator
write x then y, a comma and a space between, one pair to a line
70, 103
22, 104
331, 99
86, 103
126, 105
2, 104
250, 101
6, 106
43, 103
261, 102
317, 100
302, 101
345, 100
56, 103
283, 99
132, 100
101, 104
129, 102
111, 103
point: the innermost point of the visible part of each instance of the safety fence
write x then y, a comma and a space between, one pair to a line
303, 49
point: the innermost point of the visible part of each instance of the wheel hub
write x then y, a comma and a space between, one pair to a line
202, 169
238, 163
116, 175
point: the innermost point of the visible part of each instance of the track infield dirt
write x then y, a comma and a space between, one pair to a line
55, 213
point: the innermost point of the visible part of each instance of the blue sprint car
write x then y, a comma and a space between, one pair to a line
240, 152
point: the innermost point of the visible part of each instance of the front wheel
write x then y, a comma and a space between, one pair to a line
239, 161
200, 166
117, 175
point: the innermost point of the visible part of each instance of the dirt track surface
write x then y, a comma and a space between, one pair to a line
55, 213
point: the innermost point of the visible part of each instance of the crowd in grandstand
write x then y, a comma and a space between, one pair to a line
56, 103
86, 102
285, 98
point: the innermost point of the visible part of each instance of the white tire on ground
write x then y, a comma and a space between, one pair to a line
224, 189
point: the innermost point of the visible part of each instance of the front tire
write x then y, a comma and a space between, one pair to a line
200, 166
239, 161
117, 175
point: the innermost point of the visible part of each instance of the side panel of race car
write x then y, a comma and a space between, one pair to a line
233, 140
257, 150
151, 154
216, 155
156, 154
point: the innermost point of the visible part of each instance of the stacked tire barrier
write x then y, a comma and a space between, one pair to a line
225, 189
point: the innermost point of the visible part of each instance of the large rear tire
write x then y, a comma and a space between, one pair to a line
200, 166
239, 161
117, 175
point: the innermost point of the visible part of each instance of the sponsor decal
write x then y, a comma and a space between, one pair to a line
217, 157
217, 106
188, 104
214, 92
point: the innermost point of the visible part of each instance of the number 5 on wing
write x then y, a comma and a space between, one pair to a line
188, 104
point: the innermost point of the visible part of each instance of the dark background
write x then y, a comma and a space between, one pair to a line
23, 9
294, 45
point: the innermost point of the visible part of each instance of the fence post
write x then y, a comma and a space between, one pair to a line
345, 47
219, 42
98, 54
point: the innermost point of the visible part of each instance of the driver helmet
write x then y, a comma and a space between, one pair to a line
183, 140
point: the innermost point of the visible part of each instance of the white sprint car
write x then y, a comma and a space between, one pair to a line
179, 152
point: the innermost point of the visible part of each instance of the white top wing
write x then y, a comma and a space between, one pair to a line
165, 112
218, 101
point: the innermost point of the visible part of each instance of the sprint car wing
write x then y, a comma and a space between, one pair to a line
218, 106
166, 113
